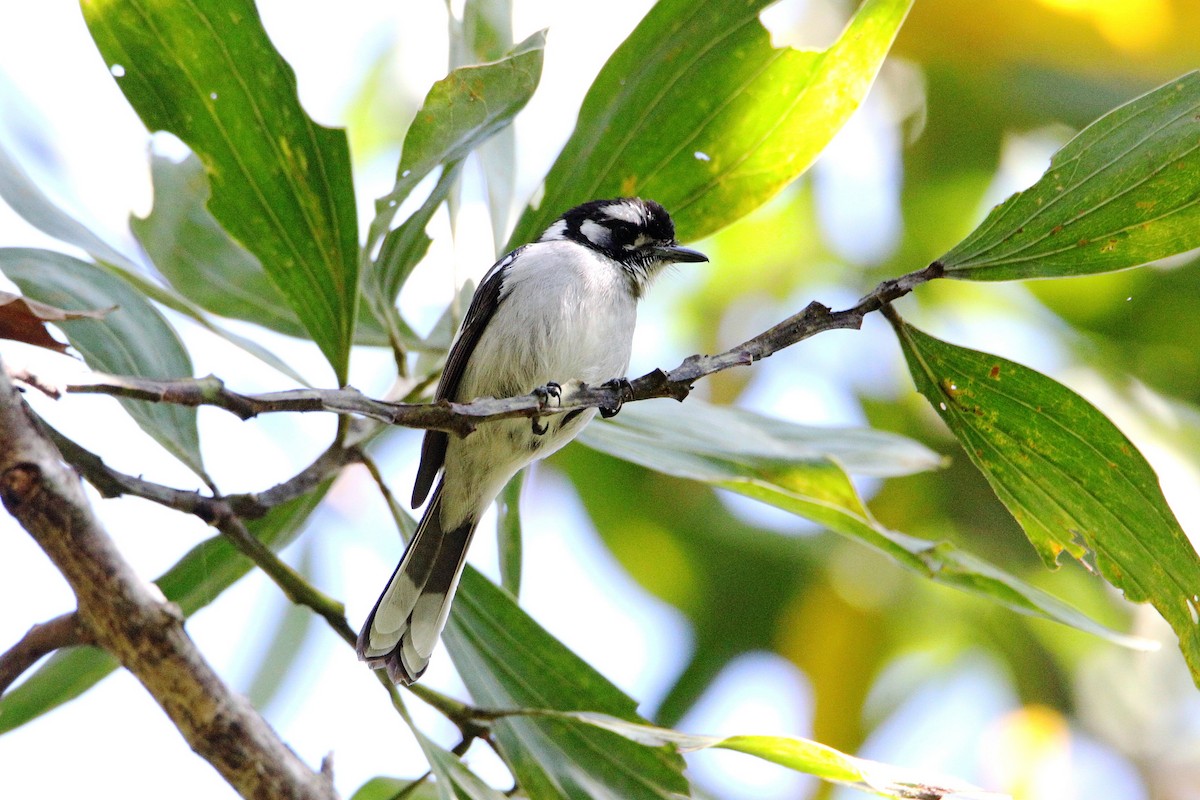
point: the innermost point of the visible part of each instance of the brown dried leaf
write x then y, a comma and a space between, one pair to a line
24, 320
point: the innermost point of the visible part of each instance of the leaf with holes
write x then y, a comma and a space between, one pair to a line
1072, 480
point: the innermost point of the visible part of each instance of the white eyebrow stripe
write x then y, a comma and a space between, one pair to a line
625, 212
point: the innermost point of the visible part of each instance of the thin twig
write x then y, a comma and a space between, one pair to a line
462, 418
42, 639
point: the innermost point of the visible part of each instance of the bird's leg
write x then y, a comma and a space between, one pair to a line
625, 388
544, 394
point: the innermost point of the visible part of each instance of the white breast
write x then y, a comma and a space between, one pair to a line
568, 314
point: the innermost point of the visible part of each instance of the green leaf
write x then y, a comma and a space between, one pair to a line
1071, 479
454, 780
803, 470
405, 246
196, 580
206, 71
24, 196
1124, 192
204, 264
509, 662
705, 433
384, 788
508, 534
460, 112
698, 111
802, 755
292, 626
134, 339
27, 199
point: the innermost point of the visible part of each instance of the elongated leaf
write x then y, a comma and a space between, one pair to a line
698, 111
195, 254
27, 199
704, 431
802, 755
196, 580
508, 534
461, 111
204, 263
1123, 192
508, 661
206, 71
1072, 480
405, 246
20, 192
134, 339
800, 471
383, 788
454, 780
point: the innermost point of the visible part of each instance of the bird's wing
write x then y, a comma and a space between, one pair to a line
483, 305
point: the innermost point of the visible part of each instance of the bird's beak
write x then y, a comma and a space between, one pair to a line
676, 253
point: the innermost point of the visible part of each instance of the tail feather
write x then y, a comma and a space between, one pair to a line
402, 630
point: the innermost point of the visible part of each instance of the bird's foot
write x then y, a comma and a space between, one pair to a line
625, 389
544, 394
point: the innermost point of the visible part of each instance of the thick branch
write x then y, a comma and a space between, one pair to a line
462, 418
127, 617
40, 640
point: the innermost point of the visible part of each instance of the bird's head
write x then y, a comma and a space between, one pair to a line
637, 234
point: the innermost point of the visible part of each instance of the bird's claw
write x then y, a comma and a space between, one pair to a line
625, 389
544, 394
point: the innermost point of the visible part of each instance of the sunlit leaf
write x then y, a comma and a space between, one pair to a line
134, 339
1072, 480
206, 71
461, 111
195, 254
1124, 192
698, 111
802, 472
382, 788
196, 580
802, 755
508, 661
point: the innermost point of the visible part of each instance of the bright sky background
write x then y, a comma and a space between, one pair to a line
63, 117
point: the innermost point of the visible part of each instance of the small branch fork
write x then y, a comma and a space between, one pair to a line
463, 418
129, 618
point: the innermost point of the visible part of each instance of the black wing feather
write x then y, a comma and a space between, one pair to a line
483, 305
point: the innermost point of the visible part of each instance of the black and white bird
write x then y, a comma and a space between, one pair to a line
559, 309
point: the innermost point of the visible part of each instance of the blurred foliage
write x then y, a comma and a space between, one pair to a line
971, 90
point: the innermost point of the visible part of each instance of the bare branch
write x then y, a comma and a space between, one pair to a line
127, 617
41, 640
462, 418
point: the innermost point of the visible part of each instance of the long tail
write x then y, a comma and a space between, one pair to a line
403, 628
